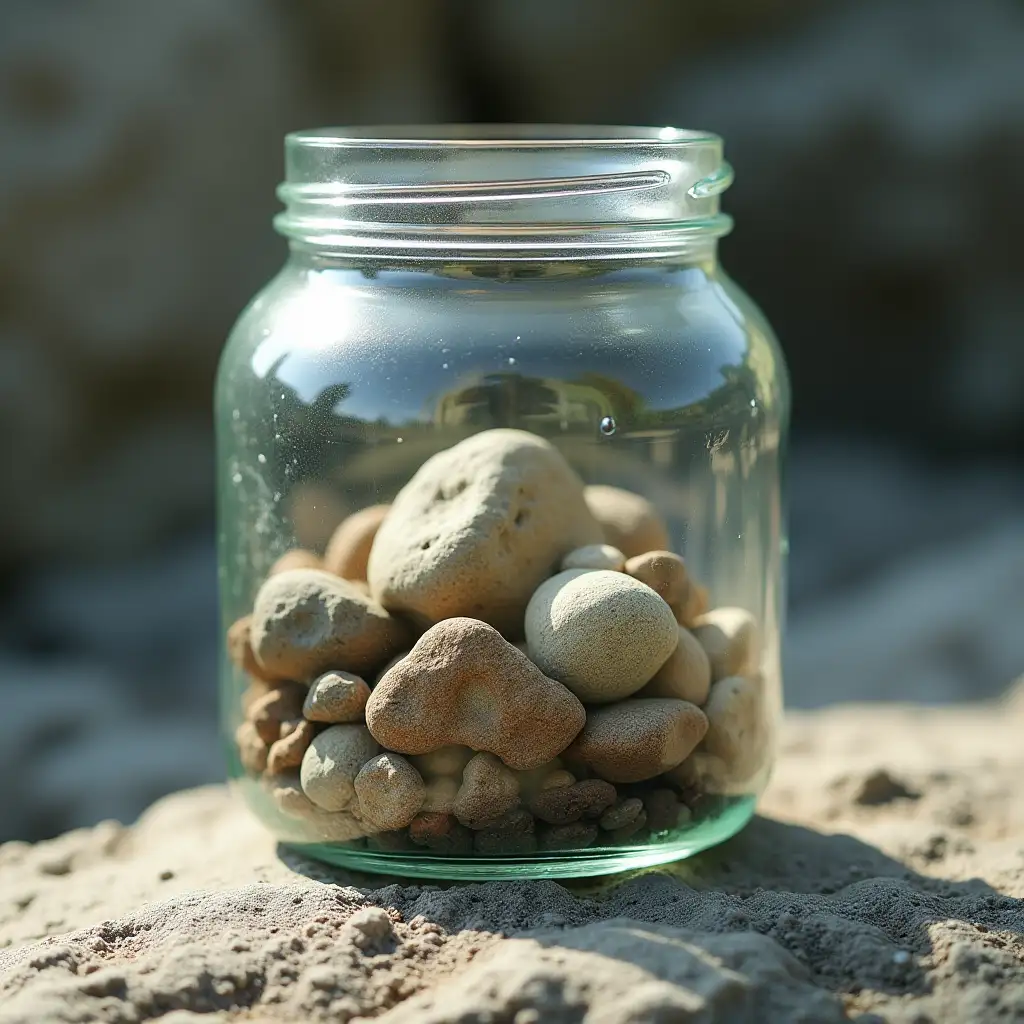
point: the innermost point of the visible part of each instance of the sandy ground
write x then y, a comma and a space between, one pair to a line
883, 881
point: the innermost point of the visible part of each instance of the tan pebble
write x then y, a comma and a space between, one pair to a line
603, 634
575, 836
630, 523
620, 835
737, 730
638, 739
700, 773
306, 621
440, 833
336, 697
331, 763
252, 693
390, 791
450, 760
665, 573
513, 833
531, 781
732, 640
488, 790
587, 799
697, 603
297, 558
665, 811
288, 751
313, 823
281, 704
558, 779
241, 653
252, 749
623, 813
478, 528
464, 684
348, 550
595, 556
440, 795
686, 674
390, 665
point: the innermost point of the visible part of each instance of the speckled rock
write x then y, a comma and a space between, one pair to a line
574, 836
240, 650
463, 684
638, 739
489, 789
665, 573
624, 812
595, 556
732, 640
306, 621
477, 529
686, 674
307, 822
514, 833
281, 704
560, 805
629, 522
332, 762
287, 752
349, 547
737, 730
336, 697
390, 791
665, 811
440, 833
603, 634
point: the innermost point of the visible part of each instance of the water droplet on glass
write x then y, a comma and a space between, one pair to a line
753, 403
518, 337
261, 459
236, 414
607, 426
511, 361
444, 366
236, 478
398, 440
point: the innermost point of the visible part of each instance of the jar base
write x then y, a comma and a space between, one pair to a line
568, 864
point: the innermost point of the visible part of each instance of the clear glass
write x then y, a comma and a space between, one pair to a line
443, 289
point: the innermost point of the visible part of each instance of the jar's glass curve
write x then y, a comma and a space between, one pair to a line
656, 377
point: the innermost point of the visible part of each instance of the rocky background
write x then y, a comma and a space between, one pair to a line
879, 149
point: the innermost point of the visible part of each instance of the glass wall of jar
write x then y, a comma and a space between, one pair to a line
501, 526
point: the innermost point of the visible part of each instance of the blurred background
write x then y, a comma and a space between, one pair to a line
879, 150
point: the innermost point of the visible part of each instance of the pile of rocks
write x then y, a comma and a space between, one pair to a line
569, 684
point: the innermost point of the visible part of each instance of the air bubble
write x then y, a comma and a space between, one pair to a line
399, 440
511, 361
607, 426
236, 478
261, 459
444, 366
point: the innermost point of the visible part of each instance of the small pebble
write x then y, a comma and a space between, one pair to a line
440, 795
281, 704
665, 811
488, 790
252, 749
574, 836
440, 833
732, 640
289, 750
565, 804
595, 556
622, 814
331, 763
390, 791
336, 697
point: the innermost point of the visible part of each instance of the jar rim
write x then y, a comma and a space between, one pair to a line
496, 192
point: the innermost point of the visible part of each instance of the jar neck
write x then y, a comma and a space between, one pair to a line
539, 195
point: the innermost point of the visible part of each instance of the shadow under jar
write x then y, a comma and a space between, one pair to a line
501, 532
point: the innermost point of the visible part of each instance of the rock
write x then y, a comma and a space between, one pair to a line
629, 522
595, 556
450, 761
732, 640
252, 749
544, 776
488, 790
623, 833
441, 834
440, 794
306, 621
281, 704
686, 674
698, 600
737, 728
336, 697
390, 791
288, 751
241, 653
478, 528
575, 836
665, 811
348, 550
463, 684
512, 834
603, 634
665, 573
307, 822
621, 814
297, 558
560, 805
640, 738
332, 762
390, 665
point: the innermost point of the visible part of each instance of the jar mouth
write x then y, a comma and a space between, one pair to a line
503, 192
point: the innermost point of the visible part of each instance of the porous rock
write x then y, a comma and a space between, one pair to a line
477, 528
665, 573
331, 763
240, 650
348, 550
288, 751
307, 822
464, 684
629, 522
513, 833
489, 789
732, 640
595, 556
389, 790
603, 634
440, 833
638, 739
306, 621
737, 731
686, 674
281, 704
560, 805
336, 697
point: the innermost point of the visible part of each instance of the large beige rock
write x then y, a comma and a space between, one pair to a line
602, 633
477, 529
629, 521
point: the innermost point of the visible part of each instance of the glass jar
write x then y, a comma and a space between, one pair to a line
501, 528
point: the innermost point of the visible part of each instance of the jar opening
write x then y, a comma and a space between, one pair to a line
504, 192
